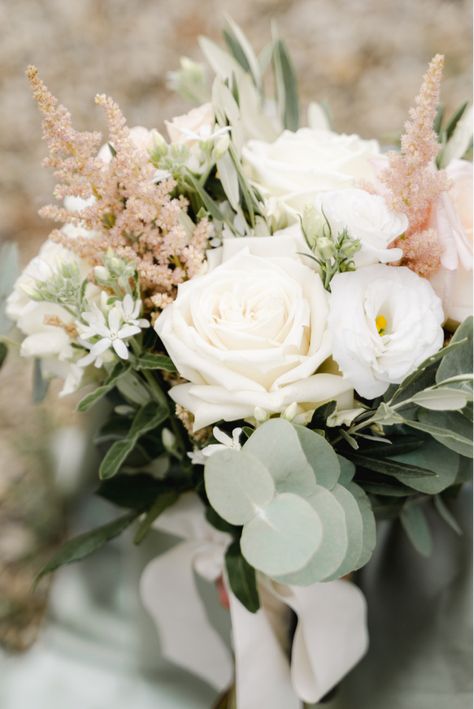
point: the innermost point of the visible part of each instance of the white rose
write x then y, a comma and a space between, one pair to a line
296, 167
193, 126
368, 219
251, 334
452, 220
384, 322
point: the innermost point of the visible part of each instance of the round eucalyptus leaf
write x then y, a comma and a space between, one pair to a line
348, 470
237, 485
276, 444
283, 536
355, 531
334, 543
368, 522
321, 456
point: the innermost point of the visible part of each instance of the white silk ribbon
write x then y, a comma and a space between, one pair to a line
330, 636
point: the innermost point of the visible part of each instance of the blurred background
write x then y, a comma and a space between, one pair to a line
363, 58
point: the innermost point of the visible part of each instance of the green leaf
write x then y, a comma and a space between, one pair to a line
242, 578
241, 50
455, 120
237, 485
85, 544
322, 414
424, 375
209, 204
416, 527
229, 179
386, 466
88, 401
3, 353
442, 399
430, 456
146, 419
446, 514
219, 523
286, 86
135, 491
458, 360
284, 538
162, 502
150, 360
450, 428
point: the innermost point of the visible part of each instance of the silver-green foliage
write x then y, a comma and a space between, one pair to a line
303, 518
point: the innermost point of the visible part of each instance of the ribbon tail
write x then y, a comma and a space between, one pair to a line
261, 666
170, 595
331, 636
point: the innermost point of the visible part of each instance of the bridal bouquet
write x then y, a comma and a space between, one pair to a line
279, 321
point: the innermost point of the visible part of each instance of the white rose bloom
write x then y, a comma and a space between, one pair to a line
193, 126
368, 219
296, 167
452, 219
384, 322
251, 334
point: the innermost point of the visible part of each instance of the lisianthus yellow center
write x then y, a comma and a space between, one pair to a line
381, 324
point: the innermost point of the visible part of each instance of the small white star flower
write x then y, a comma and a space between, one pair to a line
198, 457
112, 328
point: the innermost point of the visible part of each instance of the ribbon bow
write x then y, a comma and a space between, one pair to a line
330, 636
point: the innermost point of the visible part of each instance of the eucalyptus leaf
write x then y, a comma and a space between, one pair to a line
242, 578
85, 544
334, 541
283, 537
355, 531
369, 532
278, 447
238, 485
320, 455
415, 525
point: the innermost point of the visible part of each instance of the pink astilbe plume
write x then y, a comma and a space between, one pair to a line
129, 213
413, 181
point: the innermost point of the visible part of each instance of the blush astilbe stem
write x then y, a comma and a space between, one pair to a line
129, 214
413, 181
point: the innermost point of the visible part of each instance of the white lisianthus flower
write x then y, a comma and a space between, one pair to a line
368, 219
452, 220
384, 322
296, 167
250, 334
45, 325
